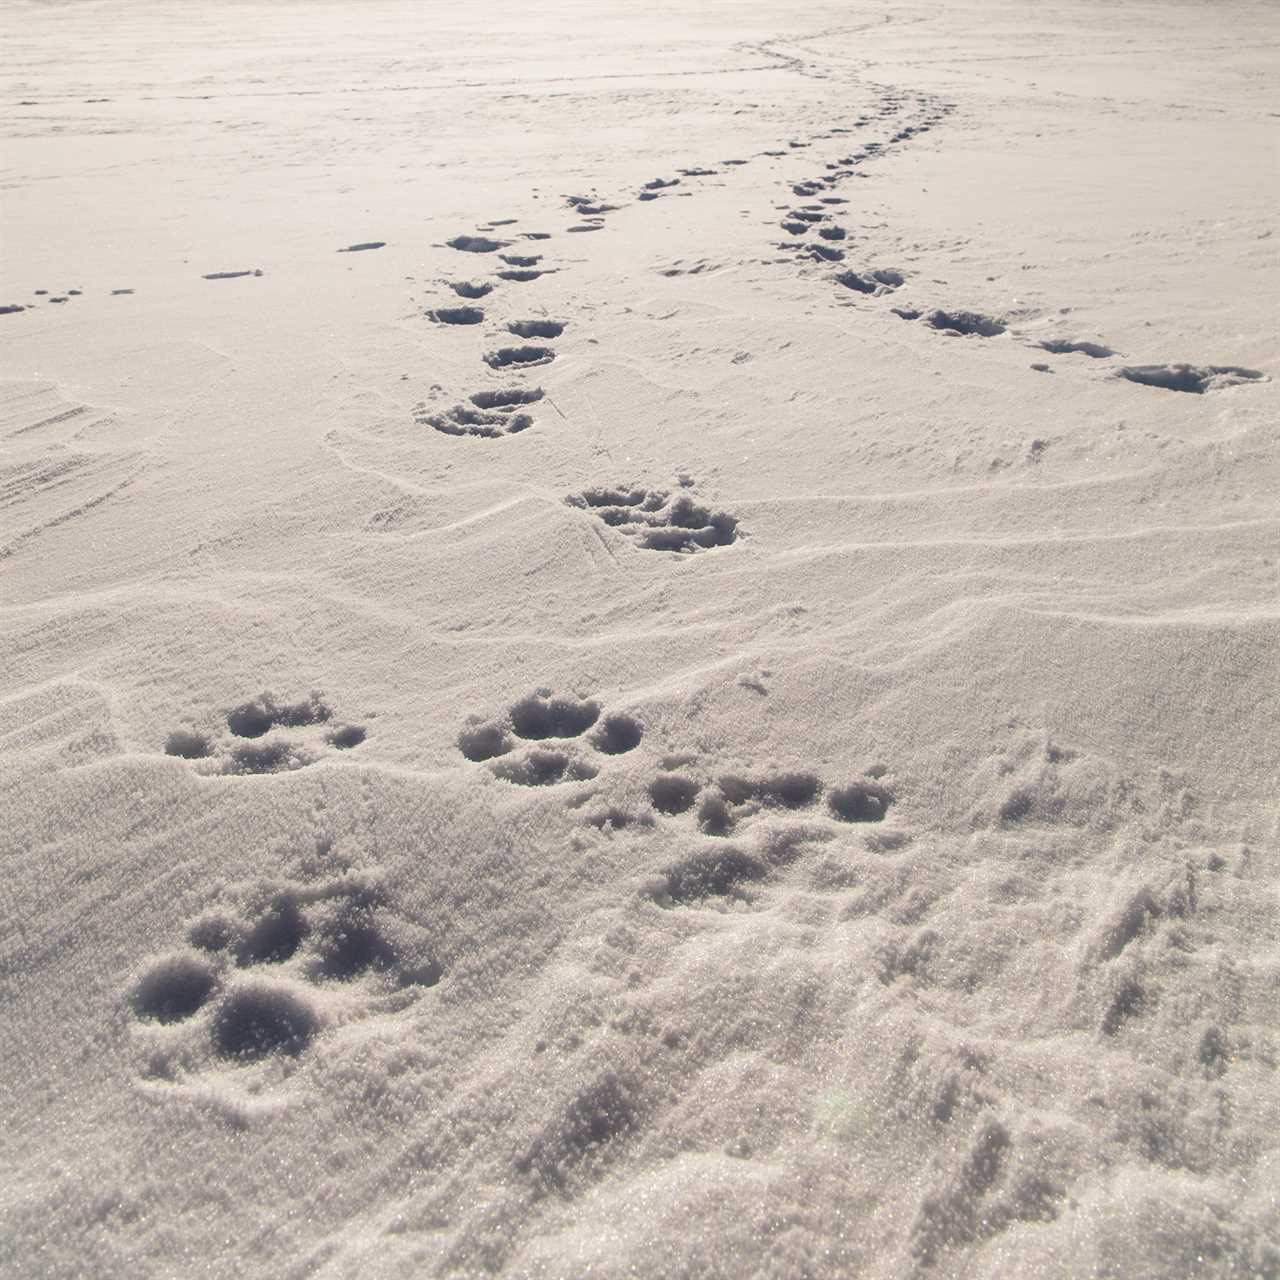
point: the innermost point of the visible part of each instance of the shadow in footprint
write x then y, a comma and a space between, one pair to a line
860, 802
1195, 379
464, 420
719, 872
173, 988
476, 244
617, 734
536, 328
188, 745
1062, 347
672, 794
266, 757
543, 768
656, 521
253, 719
276, 934
259, 1017
483, 742
778, 791
540, 768
965, 323
456, 315
522, 357
538, 717
714, 815
506, 399
349, 943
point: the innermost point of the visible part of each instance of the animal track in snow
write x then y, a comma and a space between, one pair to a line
173, 987
588, 206
965, 323
721, 871
536, 328
476, 244
489, 416
520, 260
465, 289
860, 801
261, 1016
507, 399
555, 721
346, 737
520, 357
456, 315
248, 984
670, 793
188, 744
541, 716
617, 734
657, 521
722, 804
256, 719
880, 281
261, 715
268, 757
1196, 379
1063, 347
543, 767
523, 275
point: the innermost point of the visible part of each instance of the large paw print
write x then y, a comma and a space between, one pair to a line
657, 521
490, 414
550, 718
720, 871
721, 805
250, 979
256, 719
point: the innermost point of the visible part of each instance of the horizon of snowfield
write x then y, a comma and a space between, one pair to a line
639, 644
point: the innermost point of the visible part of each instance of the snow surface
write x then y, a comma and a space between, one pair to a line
640, 640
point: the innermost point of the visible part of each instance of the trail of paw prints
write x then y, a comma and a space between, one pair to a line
56, 296
262, 979
817, 217
253, 746
959, 323
670, 530
571, 733
495, 413
658, 520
